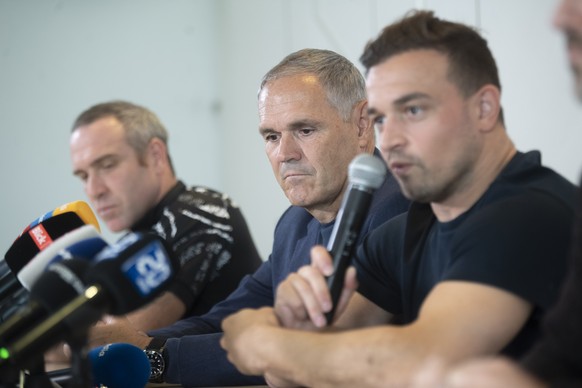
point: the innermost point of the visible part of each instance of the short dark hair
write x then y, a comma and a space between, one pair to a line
471, 63
139, 123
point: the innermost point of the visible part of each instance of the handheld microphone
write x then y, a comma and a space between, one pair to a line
119, 365
124, 277
366, 173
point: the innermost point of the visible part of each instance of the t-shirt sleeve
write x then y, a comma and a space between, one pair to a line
517, 244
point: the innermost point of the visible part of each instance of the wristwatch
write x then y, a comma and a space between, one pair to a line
156, 354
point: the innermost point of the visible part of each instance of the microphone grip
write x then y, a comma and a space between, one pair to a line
343, 242
49, 332
27, 315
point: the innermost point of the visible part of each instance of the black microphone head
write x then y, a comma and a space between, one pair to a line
367, 170
37, 238
133, 272
77, 243
60, 283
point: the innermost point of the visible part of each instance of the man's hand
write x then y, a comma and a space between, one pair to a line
303, 298
108, 330
117, 329
244, 339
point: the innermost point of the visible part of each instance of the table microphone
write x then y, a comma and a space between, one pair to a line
123, 277
83, 242
119, 365
36, 237
56, 287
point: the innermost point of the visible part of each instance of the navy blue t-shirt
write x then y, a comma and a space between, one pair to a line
515, 237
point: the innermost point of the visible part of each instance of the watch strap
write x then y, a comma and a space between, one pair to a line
155, 352
157, 343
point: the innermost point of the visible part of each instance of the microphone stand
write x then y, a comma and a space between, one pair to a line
80, 368
37, 376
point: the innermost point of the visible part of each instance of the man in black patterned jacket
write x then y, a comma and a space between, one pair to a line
119, 151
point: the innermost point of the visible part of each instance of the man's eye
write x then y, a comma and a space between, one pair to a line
271, 137
414, 110
108, 165
378, 123
306, 131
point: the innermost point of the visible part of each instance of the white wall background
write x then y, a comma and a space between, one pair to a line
197, 64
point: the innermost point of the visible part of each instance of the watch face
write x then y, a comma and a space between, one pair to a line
157, 364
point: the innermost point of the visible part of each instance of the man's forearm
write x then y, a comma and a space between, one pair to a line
370, 357
363, 358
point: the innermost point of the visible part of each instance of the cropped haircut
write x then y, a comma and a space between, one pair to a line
471, 63
342, 82
139, 123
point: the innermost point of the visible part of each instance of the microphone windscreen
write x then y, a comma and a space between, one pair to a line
81, 208
367, 171
59, 249
60, 283
40, 237
134, 271
87, 248
119, 365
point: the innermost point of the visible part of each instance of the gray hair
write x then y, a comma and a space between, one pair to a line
343, 83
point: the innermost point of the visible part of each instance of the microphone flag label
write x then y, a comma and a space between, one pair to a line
148, 268
40, 237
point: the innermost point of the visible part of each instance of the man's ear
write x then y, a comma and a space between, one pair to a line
488, 106
362, 119
366, 135
158, 152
